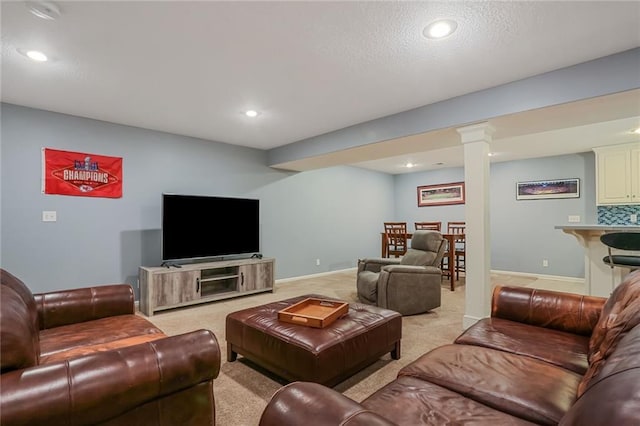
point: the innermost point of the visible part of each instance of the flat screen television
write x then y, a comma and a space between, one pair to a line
196, 227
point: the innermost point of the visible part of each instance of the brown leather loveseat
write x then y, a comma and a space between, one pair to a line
81, 357
542, 357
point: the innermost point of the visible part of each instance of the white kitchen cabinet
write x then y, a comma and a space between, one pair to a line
618, 174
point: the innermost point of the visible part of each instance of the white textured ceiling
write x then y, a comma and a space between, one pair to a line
192, 68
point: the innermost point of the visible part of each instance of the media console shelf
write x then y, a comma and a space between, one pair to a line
167, 288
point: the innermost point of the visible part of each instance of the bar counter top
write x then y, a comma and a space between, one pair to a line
599, 278
587, 227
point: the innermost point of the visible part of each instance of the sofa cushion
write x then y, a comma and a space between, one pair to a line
520, 386
623, 295
620, 314
625, 357
411, 401
18, 337
566, 350
98, 335
614, 400
569, 312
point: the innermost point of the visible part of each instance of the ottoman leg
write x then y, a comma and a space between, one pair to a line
231, 355
395, 353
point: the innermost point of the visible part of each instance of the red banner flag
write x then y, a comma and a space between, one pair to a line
81, 174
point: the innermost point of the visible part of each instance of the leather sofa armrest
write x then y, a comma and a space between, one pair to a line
310, 403
101, 386
83, 304
375, 264
570, 312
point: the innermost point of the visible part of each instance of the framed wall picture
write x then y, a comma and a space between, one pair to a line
441, 195
544, 189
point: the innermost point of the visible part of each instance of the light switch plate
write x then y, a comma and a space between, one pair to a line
574, 218
634, 218
49, 216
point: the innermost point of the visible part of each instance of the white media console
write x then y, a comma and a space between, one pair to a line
167, 288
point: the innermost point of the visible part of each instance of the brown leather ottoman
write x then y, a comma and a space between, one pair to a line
322, 355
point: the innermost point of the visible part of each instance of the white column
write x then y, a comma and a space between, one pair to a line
476, 139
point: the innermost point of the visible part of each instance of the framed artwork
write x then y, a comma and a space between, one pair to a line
543, 189
441, 195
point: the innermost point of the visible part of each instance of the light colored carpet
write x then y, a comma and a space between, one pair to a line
242, 390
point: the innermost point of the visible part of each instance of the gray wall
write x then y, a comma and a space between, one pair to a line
334, 214
406, 188
327, 214
531, 223
522, 232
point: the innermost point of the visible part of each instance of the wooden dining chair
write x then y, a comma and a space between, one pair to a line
396, 238
458, 228
432, 226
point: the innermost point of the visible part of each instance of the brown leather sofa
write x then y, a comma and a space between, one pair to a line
542, 357
82, 357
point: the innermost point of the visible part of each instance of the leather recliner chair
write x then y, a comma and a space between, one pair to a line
409, 285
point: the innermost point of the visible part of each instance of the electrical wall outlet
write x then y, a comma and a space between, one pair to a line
574, 218
633, 218
317, 262
49, 216
545, 263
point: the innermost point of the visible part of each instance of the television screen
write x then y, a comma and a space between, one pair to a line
195, 227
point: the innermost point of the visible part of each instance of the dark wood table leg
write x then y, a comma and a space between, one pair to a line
452, 267
451, 256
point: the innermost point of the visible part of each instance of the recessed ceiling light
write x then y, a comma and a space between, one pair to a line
251, 113
409, 165
43, 9
491, 154
440, 29
439, 163
637, 131
34, 55
37, 56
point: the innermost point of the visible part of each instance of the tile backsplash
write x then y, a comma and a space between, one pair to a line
618, 215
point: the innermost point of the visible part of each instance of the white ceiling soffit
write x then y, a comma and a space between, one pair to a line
308, 68
562, 129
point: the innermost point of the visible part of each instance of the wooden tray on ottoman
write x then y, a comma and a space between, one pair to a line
312, 312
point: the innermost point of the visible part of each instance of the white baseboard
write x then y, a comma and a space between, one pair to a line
540, 276
468, 321
320, 274
493, 271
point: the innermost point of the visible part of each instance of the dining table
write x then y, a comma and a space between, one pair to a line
451, 252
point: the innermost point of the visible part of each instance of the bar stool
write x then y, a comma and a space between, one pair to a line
627, 241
